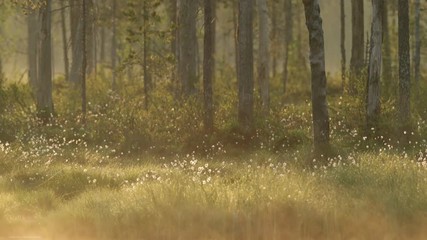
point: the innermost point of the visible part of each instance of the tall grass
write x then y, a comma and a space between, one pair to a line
253, 196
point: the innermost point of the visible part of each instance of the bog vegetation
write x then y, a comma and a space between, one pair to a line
160, 141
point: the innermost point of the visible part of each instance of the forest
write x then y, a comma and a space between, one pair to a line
213, 119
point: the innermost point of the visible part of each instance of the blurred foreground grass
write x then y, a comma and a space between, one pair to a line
257, 195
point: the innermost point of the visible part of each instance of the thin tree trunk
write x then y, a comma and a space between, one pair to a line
358, 44
301, 57
245, 65
147, 76
264, 56
235, 8
44, 82
387, 69
273, 48
84, 61
102, 45
318, 76
33, 37
374, 69
187, 65
343, 52
65, 42
209, 63
288, 40
76, 32
114, 47
417, 55
90, 35
404, 65
174, 38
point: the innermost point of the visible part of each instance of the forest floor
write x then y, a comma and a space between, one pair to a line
256, 195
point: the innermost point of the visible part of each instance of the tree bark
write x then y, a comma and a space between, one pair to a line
147, 75
274, 47
245, 73
114, 48
44, 82
235, 8
33, 37
417, 54
318, 76
76, 44
102, 45
90, 35
174, 39
264, 56
343, 52
84, 54
387, 69
404, 65
358, 44
187, 64
65, 42
209, 63
374, 70
288, 40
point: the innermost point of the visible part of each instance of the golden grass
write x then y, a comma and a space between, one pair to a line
368, 196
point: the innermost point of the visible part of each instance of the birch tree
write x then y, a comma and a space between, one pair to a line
318, 75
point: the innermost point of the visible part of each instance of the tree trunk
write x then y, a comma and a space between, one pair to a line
209, 63
64, 42
417, 54
76, 45
404, 64
288, 40
187, 64
264, 56
374, 70
235, 7
358, 44
174, 38
90, 35
387, 69
147, 75
343, 53
114, 48
84, 54
273, 49
44, 82
33, 37
245, 64
102, 45
318, 76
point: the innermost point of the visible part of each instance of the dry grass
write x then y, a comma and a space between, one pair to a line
255, 196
